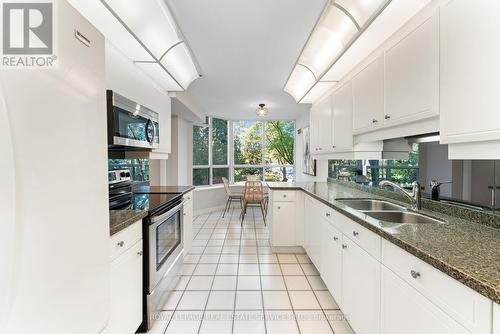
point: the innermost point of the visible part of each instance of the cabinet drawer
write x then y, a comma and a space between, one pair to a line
124, 239
463, 304
362, 236
284, 195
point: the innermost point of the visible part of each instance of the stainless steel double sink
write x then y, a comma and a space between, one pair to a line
387, 211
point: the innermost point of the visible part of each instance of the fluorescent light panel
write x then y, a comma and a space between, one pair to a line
339, 25
151, 23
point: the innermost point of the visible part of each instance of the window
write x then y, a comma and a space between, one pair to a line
237, 149
370, 172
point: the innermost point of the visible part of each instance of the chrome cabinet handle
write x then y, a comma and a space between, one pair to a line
184, 214
344, 246
139, 253
335, 238
279, 207
414, 274
387, 116
374, 121
334, 146
120, 243
284, 195
354, 233
328, 214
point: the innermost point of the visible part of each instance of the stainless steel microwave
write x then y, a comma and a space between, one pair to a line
131, 126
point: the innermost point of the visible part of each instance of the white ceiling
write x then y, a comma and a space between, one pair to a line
246, 50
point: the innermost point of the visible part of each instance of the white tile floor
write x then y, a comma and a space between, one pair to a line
233, 283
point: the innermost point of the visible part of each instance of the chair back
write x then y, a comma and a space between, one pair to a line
253, 191
226, 186
252, 177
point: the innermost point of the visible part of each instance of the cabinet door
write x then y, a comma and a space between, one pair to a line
126, 291
331, 257
412, 75
325, 141
313, 232
360, 288
284, 224
368, 97
314, 122
308, 214
470, 67
342, 118
405, 310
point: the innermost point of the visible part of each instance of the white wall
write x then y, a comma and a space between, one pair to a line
321, 165
178, 166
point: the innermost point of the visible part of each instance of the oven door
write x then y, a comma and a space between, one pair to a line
165, 244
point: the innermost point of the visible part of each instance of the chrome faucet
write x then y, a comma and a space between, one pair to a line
415, 196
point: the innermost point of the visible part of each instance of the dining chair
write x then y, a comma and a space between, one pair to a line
231, 196
253, 194
252, 178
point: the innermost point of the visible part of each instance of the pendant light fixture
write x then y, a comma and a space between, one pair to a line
261, 110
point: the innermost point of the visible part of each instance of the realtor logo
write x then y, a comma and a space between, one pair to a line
28, 34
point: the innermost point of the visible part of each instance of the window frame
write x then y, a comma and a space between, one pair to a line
230, 150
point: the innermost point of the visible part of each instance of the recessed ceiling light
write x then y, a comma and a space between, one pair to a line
261, 110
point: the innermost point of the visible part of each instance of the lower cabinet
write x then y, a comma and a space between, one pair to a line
126, 291
360, 288
331, 257
283, 216
313, 231
405, 310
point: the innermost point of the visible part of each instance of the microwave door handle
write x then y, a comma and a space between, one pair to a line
146, 132
154, 133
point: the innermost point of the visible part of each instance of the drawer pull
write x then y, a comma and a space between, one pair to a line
279, 207
328, 214
335, 238
120, 243
354, 233
387, 116
414, 274
374, 121
284, 195
344, 246
139, 253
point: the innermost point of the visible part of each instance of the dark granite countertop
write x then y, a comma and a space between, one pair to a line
121, 219
465, 250
162, 189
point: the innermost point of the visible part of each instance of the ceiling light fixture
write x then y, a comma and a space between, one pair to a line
151, 23
261, 110
339, 26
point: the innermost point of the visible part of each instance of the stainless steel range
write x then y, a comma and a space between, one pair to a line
162, 241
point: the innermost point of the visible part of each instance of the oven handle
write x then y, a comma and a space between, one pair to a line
166, 215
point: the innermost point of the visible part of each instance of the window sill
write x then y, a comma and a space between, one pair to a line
212, 187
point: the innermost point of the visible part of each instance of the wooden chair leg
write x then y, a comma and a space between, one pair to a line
263, 212
225, 207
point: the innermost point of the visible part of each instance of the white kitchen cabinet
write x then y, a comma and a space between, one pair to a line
496, 318
360, 288
312, 231
187, 223
331, 255
342, 118
321, 122
412, 75
368, 97
126, 291
470, 67
283, 224
405, 310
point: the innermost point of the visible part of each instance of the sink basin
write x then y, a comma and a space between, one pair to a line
399, 217
371, 205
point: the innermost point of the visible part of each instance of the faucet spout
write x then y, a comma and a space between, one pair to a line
415, 196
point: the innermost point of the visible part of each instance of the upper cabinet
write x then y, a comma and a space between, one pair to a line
342, 118
412, 75
368, 97
321, 124
470, 67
